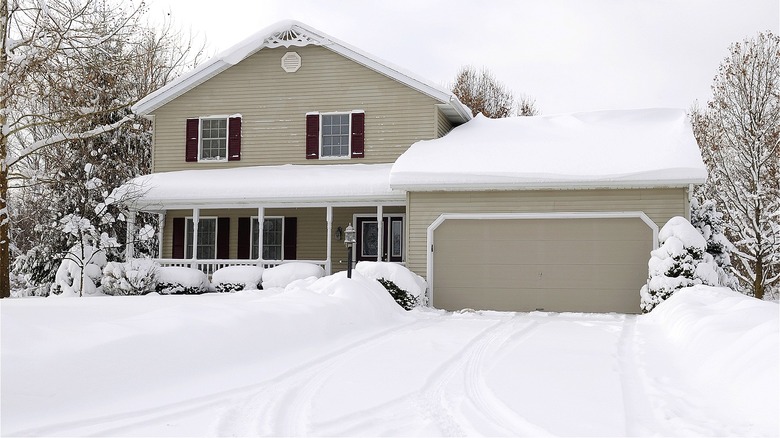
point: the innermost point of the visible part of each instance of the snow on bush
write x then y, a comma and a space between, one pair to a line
181, 280
136, 277
406, 287
286, 273
729, 345
69, 281
235, 278
681, 261
709, 222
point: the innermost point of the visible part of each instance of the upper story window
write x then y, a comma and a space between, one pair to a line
335, 135
213, 139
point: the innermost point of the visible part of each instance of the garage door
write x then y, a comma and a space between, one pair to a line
559, 265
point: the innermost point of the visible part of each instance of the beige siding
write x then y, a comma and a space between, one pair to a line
443, 126
274, 104
424, 207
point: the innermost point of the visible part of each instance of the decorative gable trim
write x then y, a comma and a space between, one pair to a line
294, 36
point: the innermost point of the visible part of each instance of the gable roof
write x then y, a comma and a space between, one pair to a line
292, 33
604, 149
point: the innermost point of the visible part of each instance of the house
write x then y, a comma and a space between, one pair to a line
305, 134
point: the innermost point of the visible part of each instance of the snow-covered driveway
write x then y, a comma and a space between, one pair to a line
334, 359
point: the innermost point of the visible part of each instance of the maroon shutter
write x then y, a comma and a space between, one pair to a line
234, 139
178, 238
244, 248
290, 238
312, 136
191, 145
358, 134
223, 238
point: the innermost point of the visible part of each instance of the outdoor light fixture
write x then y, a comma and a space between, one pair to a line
349, 240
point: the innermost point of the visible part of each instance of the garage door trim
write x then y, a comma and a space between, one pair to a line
557, 215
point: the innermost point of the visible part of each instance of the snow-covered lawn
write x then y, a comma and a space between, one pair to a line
338, 357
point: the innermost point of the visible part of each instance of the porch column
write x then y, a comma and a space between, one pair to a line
260, 222
130, 236
329, 221
379, 230
160, 233
195, 221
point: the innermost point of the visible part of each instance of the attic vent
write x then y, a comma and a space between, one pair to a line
290, 37
291, 62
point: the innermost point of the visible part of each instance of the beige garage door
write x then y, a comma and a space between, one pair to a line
558, 265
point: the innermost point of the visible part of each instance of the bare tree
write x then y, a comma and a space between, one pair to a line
739, 135
481, 92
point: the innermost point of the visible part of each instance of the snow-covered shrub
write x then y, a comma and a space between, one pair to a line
680, 262
235, 278
79, 272
709, 222
402, 297
136, 277
181, 280
399, 275
286, 273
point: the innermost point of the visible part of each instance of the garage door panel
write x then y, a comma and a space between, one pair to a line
570, 264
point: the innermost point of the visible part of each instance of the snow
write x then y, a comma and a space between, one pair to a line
249, 276
280, 184
398, 274
337, 357
621, 148
175, 276
286, 273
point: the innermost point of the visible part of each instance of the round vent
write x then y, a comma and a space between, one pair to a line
291, 62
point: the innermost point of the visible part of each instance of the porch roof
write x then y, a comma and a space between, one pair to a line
248, 187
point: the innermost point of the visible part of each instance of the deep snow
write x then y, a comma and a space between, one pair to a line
334, 356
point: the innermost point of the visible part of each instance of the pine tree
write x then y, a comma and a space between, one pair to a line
709, 222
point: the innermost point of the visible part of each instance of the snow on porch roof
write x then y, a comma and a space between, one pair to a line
256, 186
604, 149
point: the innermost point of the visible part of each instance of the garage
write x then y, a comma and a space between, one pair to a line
526, 262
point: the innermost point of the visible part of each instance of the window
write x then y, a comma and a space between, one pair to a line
335, 135
273, 238
213, 139
207, 238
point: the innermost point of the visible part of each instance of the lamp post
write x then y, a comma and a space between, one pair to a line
349, 240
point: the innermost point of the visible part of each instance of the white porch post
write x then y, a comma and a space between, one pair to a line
160, 233
379, 229
130, 236
195, 221
329, 220
260, 222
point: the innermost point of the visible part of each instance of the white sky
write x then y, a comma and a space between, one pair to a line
570, 55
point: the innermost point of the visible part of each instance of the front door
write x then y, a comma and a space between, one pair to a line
392, 238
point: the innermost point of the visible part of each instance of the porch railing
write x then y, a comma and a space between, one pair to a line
212, 265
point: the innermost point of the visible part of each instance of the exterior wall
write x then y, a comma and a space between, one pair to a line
273, 105
443, 126
424, 207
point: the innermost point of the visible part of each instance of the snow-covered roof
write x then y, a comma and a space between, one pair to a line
630, 148
292, 33
252, 187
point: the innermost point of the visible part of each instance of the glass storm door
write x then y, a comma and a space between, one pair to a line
392, 242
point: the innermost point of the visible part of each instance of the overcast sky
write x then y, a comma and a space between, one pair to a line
569, 55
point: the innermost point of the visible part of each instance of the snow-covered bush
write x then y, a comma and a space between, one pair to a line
399, 275
136, 277
181, 280
79, 272
709, 222
286, 273
235, 278
402, 297
680, 262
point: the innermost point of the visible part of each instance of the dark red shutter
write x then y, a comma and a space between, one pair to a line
234, 139
358, 134
244, 247
191, 145
290, 238
223, 238
312, 136
178, 238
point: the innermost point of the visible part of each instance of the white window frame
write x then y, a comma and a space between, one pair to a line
349, 135
200, 139
252, 221
187, 236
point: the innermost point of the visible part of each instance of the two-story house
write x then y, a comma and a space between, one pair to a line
267, 152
